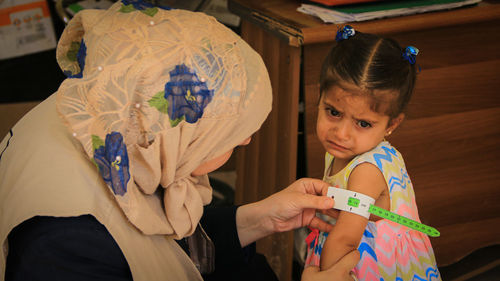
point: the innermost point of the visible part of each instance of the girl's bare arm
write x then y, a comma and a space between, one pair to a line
348, 230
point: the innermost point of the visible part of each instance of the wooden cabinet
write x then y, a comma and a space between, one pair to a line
450, 138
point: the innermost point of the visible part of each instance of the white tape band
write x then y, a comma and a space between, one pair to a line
359, 203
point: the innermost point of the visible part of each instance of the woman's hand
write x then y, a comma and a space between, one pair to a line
341, 271
288, 209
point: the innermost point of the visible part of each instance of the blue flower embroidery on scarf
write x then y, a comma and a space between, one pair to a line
77, 52
112, 161
139, 5
187, 96
184, 98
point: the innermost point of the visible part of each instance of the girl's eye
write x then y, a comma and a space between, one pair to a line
333, 112
364, 124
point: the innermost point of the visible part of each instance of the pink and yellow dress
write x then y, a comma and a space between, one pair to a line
389, 251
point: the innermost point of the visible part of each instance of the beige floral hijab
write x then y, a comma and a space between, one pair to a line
151, 94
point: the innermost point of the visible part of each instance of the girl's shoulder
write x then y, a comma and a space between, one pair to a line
384, 154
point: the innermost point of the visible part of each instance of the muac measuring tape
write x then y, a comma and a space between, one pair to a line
360, 204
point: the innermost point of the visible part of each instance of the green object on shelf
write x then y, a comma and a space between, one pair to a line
75, 8
390, 5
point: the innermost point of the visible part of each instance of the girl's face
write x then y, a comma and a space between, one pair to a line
347, 126
217, 162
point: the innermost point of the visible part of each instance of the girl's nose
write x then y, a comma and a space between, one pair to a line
342, 130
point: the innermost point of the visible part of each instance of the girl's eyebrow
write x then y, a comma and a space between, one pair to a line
366, 120
373, 122
329, 104
325, 102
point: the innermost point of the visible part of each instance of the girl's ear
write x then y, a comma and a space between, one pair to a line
394, 123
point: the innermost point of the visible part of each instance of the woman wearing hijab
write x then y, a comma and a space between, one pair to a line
107, 178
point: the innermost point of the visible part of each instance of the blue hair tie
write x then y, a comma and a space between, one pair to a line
344, 33
410, 54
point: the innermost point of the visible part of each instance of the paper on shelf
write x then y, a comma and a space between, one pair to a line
335, 16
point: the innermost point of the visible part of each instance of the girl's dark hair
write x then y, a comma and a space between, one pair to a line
371, 63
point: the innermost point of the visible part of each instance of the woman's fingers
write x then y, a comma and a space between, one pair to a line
344, 266
341, 271
314, 186
308, 201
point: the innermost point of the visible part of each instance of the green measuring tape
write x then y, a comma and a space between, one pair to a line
383, 213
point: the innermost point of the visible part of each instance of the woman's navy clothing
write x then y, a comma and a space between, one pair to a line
81, 248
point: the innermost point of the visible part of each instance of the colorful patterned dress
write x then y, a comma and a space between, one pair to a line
389, 251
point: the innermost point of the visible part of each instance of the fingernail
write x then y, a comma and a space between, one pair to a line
328, 203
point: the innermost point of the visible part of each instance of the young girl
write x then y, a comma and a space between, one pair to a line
366, 82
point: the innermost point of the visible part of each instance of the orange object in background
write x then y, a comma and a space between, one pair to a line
26, 28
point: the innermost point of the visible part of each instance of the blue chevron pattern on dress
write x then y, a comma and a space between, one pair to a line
368, 234
364, 247
378, 156
317, 249
430, 272
395, 181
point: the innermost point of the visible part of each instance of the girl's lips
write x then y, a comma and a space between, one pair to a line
336, 146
